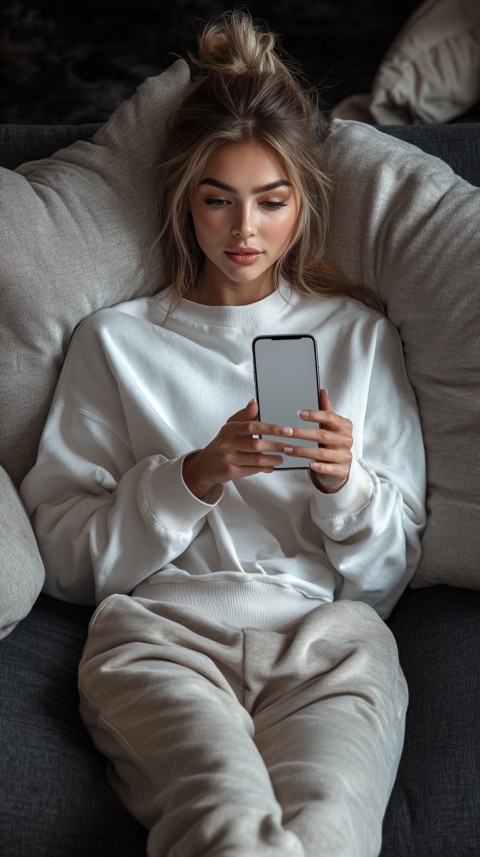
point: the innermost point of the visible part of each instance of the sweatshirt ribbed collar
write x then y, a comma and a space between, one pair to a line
233, 316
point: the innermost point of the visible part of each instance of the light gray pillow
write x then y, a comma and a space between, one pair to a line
76, 229
21, 568
404, 224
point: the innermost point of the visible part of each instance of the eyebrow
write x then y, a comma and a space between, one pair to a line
262, 189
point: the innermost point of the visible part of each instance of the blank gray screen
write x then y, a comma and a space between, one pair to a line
287, 381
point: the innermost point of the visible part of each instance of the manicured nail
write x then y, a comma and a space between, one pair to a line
288, 450
303, 414
287, 431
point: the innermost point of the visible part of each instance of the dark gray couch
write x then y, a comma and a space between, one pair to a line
54, 797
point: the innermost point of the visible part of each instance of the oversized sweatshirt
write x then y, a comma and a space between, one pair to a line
112, 513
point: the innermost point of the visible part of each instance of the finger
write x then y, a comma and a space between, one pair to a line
258, 444
325, 403
252, 428
321, 455
325, 437
253, 462
327, 419
249, 412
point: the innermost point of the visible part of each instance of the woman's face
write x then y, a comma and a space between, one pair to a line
243, 210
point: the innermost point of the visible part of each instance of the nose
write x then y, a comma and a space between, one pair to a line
243, 223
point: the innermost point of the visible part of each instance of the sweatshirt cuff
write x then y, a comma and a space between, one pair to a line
350, 500
168, 499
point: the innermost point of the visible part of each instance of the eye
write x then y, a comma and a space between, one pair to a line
273, 205
217, 203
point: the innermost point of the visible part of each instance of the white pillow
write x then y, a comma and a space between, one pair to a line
431, 72
406, 225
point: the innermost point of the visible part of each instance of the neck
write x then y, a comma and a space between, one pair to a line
234, 294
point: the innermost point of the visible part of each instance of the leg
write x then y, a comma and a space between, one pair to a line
161, 701
330, 727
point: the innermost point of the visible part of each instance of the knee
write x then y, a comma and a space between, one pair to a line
359, 644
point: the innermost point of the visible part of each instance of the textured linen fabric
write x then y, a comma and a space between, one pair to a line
247, 741
21, 567
405, 225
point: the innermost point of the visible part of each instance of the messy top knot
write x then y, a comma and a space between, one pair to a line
243, 92
239, 69
236, 45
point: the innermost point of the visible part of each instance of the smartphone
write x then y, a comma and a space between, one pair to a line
286, 381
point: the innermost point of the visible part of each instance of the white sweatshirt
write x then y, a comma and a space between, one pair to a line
112, 513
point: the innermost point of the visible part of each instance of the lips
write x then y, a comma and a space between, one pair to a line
243, 255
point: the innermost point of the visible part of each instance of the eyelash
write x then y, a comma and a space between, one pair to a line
221, 203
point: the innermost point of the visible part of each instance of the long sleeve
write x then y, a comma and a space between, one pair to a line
105, 523
106, 495
372, 526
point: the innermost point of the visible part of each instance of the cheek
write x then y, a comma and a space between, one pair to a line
206, 223
282, 229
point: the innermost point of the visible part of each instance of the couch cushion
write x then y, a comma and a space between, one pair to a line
433, 809
76, 228
406, 225
21, 567
55, 799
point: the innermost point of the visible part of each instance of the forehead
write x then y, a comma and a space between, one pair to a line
251, 163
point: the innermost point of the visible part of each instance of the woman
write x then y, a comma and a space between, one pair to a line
238, 673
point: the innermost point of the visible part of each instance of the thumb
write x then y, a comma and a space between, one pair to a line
249, 412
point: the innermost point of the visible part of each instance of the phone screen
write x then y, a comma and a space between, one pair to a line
286, 381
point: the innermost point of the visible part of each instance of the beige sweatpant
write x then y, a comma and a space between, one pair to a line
245, 742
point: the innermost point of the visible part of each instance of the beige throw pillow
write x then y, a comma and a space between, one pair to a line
431, 72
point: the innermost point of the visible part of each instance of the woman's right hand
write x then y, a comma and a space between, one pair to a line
235, 452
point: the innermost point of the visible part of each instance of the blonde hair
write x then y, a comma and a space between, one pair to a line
244, 92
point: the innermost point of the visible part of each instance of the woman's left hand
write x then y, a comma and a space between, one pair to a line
331, 461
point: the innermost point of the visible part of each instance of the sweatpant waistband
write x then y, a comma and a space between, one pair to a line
240, 603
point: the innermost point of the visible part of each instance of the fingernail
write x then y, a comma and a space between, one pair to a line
287, 431
251, 402
288, 450
303, 414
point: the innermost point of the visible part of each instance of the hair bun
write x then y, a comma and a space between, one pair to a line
233, 44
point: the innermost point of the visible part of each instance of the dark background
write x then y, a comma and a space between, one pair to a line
73, 62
